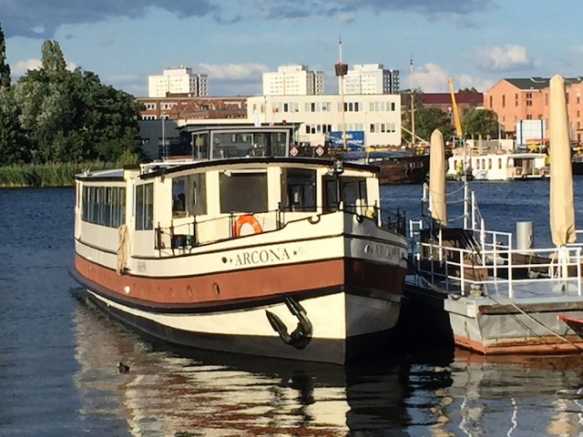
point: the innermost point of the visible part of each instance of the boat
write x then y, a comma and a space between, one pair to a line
498, 166
244, 248
576, 324
395, 167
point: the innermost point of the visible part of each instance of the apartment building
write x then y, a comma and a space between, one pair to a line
293, 80
178, 81
371, 79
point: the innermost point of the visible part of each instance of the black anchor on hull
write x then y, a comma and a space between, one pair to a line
302, 335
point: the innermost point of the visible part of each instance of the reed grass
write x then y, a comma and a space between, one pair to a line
47, 175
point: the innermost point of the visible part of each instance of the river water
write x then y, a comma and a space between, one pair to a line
58, 358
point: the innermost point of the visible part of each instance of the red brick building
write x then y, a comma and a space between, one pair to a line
189, 108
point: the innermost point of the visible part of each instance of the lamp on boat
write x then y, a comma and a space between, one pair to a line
562, 211
437, 191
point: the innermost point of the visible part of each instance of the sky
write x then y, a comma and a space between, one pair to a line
475, 42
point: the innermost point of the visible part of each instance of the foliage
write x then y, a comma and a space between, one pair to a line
480, 122
4, 67
13, 143
47, 175
56, 115
429, 119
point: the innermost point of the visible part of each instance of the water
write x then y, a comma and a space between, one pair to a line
58, 358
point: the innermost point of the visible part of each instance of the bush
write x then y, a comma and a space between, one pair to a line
47, 175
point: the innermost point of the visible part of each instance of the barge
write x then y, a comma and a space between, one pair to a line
245, 249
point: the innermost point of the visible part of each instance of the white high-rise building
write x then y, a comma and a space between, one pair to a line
293, 80
371, 79
180, 80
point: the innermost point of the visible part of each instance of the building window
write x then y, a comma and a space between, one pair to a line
499, 163
515, 99
285, 107
371, 128
144, 207
504, 100
313, 107
393, 106
355, 106
308, 130
491, 102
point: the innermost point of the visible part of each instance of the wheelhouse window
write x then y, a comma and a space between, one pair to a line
243, 192
104, 206
197, 184
201, 146
249, 145
351, 190
299, 189
144, 207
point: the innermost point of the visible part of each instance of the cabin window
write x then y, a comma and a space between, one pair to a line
197, 184
249, 145
144, 207
179, 197
243, 192
104, 206
299, 189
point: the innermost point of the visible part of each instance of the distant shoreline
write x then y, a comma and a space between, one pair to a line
50, 175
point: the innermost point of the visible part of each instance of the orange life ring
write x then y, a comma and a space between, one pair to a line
246, 219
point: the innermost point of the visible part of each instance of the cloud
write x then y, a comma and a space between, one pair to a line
232, 71
509, 57
306, 8
19, 68
433, 78
131, 83
34, 19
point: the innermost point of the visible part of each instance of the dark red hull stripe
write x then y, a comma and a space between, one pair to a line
244, 287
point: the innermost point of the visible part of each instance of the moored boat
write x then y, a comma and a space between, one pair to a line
244, 249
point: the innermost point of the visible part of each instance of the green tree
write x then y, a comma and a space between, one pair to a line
4, 67
53, 60
480, 122
71, 116
13, 143
429, 119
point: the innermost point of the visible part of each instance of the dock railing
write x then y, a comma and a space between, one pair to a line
492, 263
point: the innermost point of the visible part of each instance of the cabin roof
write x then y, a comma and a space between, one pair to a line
164, 170
114, 175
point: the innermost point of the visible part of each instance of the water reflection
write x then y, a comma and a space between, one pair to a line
166, 393
178, 392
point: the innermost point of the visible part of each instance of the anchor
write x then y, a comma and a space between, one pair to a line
302, 335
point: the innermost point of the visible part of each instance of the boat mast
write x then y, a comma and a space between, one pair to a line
411, 85
341, 69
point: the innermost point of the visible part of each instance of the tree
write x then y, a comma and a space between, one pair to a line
469, 90
13, 143
53, 61
4, 67
71, 115
429, 119
480, 122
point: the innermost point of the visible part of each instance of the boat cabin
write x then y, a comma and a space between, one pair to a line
240, 182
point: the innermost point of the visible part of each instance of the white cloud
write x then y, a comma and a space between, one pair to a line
509, 57
232, 71
19, 68
433, 78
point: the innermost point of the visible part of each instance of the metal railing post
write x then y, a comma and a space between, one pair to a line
462, 276
510, 288
473, 210
440, 237
466, 206
483, 240
578, 271
495, 252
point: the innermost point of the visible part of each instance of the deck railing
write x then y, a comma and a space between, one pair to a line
181, 236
